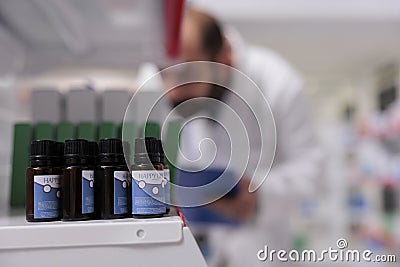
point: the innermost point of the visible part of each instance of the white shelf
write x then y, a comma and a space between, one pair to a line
148, 242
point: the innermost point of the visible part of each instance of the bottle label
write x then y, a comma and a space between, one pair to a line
87, 191
167, 186
46, 196
148, 192
121, 182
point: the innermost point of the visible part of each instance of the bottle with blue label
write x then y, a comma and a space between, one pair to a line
167, 178
43, 183
148, 184
112, 182
78, 181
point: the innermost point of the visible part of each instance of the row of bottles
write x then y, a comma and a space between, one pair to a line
81, 180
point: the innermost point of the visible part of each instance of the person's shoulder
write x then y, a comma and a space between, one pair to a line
270, 65
276, 78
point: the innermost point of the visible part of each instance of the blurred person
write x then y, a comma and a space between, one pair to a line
265, 213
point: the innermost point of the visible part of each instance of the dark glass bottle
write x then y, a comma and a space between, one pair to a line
148, 194
43, 183
166, 177
112, 181
78, 181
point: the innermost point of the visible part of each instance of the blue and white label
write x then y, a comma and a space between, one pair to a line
148, 192
87, 191
167, 186
46, 196
121, 182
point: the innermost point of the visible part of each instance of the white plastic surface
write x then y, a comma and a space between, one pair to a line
150, 242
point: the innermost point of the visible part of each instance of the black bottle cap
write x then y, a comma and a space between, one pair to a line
77, 147
42, 153
146, 149
76, 151
111, 151
146, 145
110, 146
42, 148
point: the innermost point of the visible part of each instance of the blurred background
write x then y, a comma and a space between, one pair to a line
347, 51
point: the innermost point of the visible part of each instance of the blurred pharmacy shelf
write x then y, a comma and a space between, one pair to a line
373, 172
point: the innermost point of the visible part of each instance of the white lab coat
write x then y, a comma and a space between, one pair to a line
297, 163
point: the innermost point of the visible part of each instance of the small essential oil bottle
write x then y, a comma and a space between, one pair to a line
112, 181
148, 193
78, 181
166, 177
43, 183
